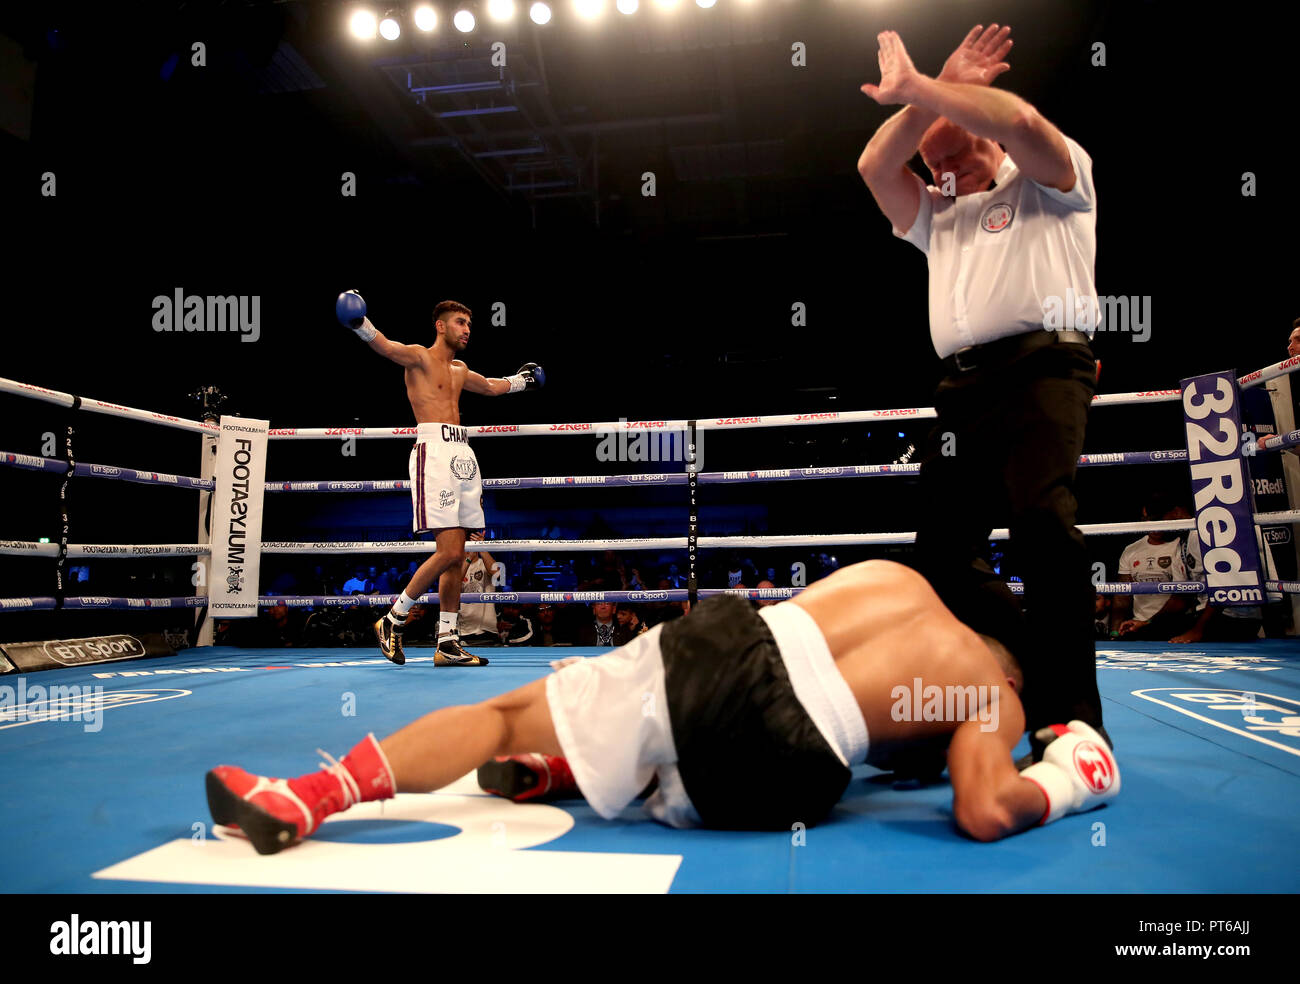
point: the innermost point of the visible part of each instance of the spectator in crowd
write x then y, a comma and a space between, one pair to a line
1101, 616
357, 584
1158, 556
478, 573
373, 576
318, 584
547, 632
281, 627
608, 574
675, 579
567, 578
602, 629
635, 582
514, 628
555, 624
735, 572
629, 620
405, 578
658, 612
384, 580
765, 602
1293, 342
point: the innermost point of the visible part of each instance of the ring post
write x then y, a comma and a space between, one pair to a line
211, 400
692, 528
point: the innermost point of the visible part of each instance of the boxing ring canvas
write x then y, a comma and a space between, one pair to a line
1208, 737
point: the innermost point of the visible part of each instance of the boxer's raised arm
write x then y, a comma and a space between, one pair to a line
477, 383
529, 377
404, 355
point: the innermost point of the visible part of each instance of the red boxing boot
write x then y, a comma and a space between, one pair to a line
274, 813
531, 776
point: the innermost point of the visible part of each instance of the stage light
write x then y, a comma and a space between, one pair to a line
390, 29
464, 21
706, 4
426, 18
628, 6
589, 9
363, 25
540, 13
501, 10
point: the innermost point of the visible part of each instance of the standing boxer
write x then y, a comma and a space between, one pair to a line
1010, 237
446, 489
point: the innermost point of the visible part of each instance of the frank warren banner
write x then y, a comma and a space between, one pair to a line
236, 524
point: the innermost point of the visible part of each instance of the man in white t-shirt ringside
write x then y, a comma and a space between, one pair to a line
478, 622
1159, 556
1179, 618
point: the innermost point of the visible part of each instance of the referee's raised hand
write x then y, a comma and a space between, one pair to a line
897, 73
980, 58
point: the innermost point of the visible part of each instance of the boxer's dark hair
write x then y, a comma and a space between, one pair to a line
1009, 664
1295, 324
445, 308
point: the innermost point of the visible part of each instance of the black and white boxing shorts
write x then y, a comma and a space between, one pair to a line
741, 715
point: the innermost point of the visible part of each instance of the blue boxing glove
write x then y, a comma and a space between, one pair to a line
530, 376
350, 309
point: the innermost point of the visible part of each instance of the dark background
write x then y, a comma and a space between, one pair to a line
225, 180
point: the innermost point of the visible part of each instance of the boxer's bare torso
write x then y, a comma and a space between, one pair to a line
435, 377
433, 388
886, 628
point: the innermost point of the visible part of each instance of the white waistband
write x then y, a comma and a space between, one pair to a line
817, 682
446, 433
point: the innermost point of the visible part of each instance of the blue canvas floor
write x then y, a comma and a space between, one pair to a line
1210, 801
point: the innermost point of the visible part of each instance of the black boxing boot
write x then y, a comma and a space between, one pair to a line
450, 653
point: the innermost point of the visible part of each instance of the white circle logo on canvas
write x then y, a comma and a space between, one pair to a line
997, 217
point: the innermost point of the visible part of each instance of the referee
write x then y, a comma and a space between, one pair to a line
1004, 232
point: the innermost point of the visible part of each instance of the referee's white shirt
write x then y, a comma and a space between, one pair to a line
998, 255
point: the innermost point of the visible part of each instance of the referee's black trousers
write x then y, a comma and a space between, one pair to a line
1004, 451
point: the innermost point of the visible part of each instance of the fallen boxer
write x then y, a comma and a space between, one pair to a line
748, 720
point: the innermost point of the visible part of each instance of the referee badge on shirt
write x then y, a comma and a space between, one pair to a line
997, 217
463, 468
1166, 561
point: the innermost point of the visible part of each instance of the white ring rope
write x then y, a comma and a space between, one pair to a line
81, 550
17, 388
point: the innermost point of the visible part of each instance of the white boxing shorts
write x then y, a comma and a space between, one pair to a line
446, 487
611, 718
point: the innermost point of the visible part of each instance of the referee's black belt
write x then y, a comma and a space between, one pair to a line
1004, 350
